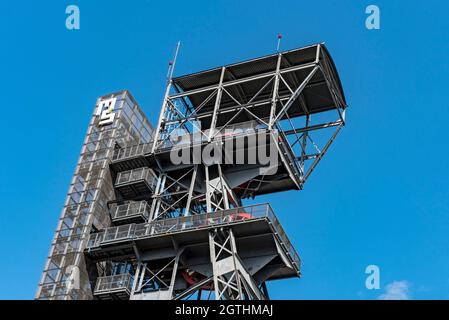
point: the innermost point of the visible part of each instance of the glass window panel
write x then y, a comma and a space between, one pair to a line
55, 262
90, 195
48, 279
90, 147
63, 233
53, 274
88, 157
68, 222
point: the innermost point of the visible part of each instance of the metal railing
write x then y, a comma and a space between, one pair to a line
114, 283
187, 139
132, 151
290, 154
283, 239
145, 174
118, 233
225, 217
130, 210
224, 132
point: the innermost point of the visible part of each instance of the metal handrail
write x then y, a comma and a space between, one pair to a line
224, 217
135, 175
220, 133
130, 209
146, 148
132, 151
289, 151
114, 282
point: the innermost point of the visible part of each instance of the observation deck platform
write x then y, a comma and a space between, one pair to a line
247, 138
257, 231
249, 81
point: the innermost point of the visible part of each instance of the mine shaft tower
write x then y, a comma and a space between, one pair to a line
138, 225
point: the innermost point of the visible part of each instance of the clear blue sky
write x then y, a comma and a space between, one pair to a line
381, 194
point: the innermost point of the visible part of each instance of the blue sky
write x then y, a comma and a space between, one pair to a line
381, 194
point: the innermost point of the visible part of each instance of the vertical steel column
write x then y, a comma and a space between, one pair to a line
174, 271
155, 206
161, 116
223, 188
214, 263
166, 98
236, 272
217, 105
275, 92
190, 195
208, 193
231, 280
136, 277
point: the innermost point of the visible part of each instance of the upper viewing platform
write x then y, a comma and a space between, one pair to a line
250, 84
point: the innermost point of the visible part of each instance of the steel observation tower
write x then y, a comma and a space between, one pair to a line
148, 216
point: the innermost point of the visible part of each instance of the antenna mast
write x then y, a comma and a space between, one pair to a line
279, 42
171, 64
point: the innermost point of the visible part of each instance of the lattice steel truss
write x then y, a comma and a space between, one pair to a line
231, 279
